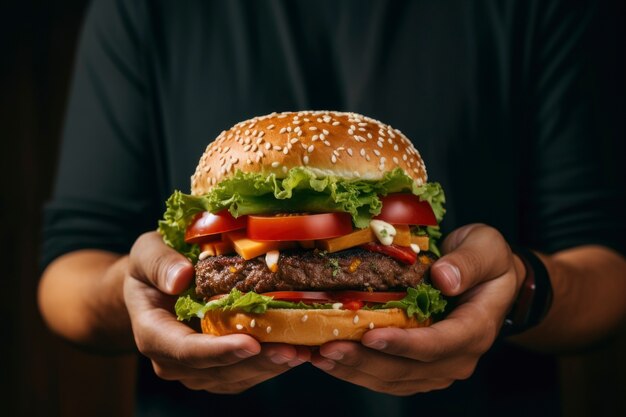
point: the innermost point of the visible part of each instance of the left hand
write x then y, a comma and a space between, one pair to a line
477, 266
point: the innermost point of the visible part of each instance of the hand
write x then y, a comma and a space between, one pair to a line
479, 267
225, 364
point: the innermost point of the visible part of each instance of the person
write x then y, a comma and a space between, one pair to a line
494, 95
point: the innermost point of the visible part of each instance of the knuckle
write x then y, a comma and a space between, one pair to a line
163, 371
466, 371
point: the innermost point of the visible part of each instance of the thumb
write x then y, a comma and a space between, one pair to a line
155, 263
473, 254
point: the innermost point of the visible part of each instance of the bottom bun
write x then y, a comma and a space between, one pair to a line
305, 327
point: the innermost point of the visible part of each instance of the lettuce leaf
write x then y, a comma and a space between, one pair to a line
302, 190
421, 302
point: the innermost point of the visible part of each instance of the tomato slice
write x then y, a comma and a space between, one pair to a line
299, 226
304, 296
400, 253
403, 208
208, 224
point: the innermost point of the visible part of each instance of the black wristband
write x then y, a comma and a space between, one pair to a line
534, 298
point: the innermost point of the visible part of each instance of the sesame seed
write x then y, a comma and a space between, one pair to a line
367, 157
259, 141
293, 140
248, 161
356, 174
270, 127
362, 124
297, 129
296, 122
336, 123
336, 152
376, 152
254, 132
306, 159
369, 135
383, 159
268, 146
226, 149
395, 160
355, 320
306, 120
261, 134
278, 148
247, 148
380, 144
239, 326
304, 318
310, 149
269, 329
350, 151
362, 129
284, 169
315, 137
322, 136
234, 160
326, 132
404, 157
336, 332
288, 128
247, 132
371, 326
362, 152
253, 323
333, 159
286, 150
204, 254
283, 130
247, 141
327, 143
275, 164
254, 147
395, 148
337, 306
312, 128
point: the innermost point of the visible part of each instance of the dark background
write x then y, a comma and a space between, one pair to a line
44, 376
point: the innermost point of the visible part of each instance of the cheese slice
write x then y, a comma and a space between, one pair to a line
248, 248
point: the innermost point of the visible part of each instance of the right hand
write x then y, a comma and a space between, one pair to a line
224, 364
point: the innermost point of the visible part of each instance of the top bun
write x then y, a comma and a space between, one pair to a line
345, 145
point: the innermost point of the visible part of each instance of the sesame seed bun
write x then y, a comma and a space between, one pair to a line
305, 327
345, 145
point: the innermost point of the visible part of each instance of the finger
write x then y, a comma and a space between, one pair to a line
357, 377
219, 387
396, 368
159, 335
469, 329
273, 360
474, 254
152, 261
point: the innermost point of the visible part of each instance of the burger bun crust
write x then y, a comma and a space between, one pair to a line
305, 326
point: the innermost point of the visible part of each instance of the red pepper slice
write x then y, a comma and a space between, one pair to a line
401, 253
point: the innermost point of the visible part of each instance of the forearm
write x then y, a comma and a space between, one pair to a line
81, 299
589, 285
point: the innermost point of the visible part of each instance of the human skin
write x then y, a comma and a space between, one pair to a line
113, 302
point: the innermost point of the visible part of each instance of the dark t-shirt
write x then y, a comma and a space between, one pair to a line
497, 96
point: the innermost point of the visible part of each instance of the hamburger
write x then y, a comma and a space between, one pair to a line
306, 227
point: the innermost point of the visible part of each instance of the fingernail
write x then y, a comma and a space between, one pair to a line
172, 275
242, 353
376, 344
336, 355
451, 274
325, 365
279, 359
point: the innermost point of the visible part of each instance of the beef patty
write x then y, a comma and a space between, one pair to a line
352, 269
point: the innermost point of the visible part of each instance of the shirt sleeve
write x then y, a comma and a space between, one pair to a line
572, 177
104, 193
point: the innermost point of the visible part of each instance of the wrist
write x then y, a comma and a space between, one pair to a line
534, 293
